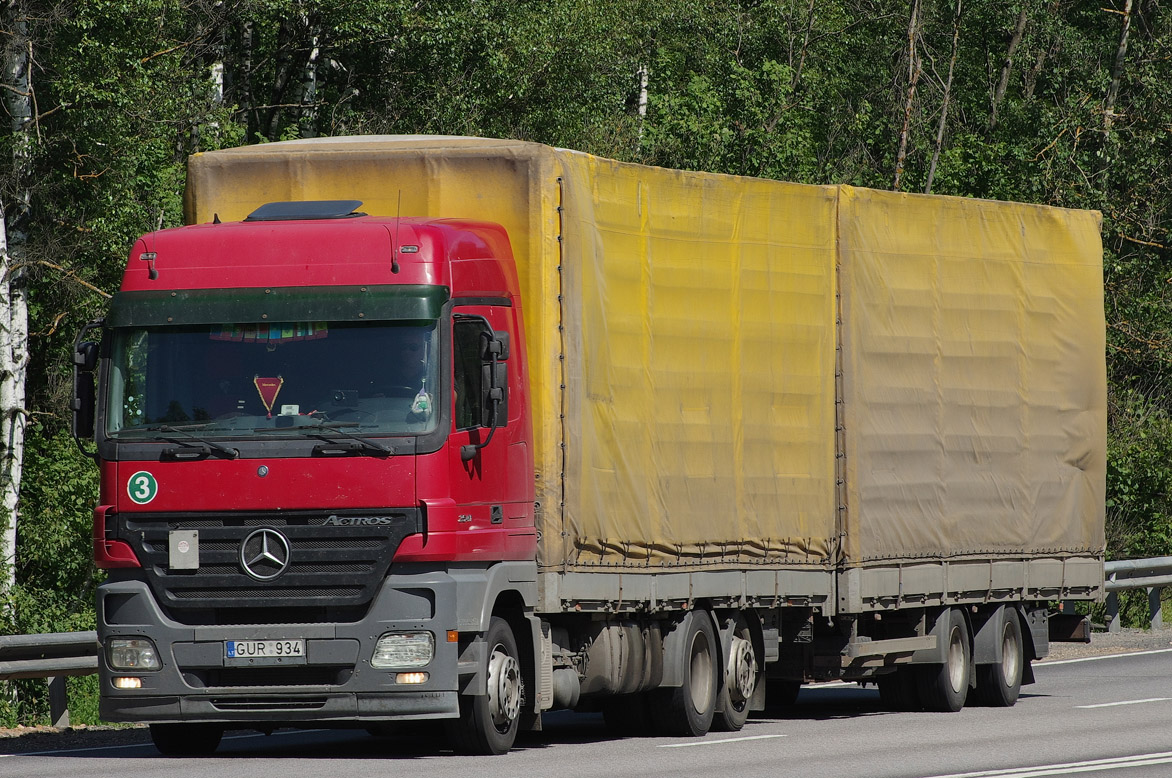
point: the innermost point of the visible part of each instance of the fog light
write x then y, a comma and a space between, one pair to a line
132, 654
411, 677
403, 649
127, 683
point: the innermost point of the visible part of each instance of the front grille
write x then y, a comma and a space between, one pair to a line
204, 595
256, 677
330, 568
269, 703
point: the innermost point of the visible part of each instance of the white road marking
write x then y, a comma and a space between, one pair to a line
1090, 765
1125, 702
718, 742
1044, 663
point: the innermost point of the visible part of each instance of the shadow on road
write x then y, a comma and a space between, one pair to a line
420, 740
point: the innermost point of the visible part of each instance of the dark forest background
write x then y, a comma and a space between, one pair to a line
1058, 102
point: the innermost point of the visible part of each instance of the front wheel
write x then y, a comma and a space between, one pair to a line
186, 739
488, 722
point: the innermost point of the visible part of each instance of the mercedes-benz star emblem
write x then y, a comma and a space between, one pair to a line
264, 554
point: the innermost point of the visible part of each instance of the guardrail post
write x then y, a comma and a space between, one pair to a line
1156, 616
58, 701
1112, 606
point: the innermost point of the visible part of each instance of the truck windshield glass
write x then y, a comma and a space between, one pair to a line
235, 380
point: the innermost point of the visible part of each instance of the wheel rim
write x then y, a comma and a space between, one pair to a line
1010, 654
504, 687
742, 670
701, 673
956, 661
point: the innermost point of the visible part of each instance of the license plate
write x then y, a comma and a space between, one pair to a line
264, 651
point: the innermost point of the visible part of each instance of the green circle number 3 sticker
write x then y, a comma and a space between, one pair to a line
142, 487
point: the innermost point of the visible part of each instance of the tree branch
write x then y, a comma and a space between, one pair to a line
18, 265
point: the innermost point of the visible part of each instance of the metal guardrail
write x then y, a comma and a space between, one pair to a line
1152, 574
54, 656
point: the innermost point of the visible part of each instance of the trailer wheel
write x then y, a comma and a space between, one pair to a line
739, 682
186, 739
688, 709
999, 684
945, 687
488, 722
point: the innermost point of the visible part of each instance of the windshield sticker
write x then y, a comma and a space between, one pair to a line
142, 487
281, 332
268, 388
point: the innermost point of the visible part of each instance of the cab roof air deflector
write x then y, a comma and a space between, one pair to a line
305, 209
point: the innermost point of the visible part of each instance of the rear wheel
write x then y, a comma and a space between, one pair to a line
945, 687
488, 722
186, 739
741, 676
999, 684
688, 709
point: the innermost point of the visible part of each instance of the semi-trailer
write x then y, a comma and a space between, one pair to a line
408, 427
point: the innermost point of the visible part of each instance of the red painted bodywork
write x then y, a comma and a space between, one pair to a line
333, 252
472, 259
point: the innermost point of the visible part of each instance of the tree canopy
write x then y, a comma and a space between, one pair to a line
1061, 103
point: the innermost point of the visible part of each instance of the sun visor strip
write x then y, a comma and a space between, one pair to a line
277, 304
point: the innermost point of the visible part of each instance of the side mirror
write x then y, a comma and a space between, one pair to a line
85, 355
85, 361
84, 404
495, 380
498, 344
494, 387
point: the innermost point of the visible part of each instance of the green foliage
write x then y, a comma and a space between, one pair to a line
812, 92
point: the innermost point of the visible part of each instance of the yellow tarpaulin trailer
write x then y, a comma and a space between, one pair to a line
732, 373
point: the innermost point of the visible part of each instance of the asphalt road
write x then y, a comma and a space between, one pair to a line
1094, 716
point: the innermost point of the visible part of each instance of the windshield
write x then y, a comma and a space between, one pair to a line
249, 379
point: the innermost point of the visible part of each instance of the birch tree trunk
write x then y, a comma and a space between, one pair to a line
17, 91
1007, 66
644, 75
308, 117
1117, 68
913, 78
947, 95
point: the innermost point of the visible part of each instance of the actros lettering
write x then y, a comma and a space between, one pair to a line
358, 521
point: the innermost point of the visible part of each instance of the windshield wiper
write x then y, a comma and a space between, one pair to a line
363, 443
206, 449
357, 444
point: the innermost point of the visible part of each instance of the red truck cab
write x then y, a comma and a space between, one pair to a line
316, 476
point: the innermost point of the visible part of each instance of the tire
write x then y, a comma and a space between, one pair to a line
739, 681
687, 710
898, 691
999, 684
945, 687
780, 695
488, 722
186, 739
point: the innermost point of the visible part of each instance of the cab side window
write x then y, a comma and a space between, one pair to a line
468, 344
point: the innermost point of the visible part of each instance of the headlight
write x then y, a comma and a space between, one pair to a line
132, 654
403, 649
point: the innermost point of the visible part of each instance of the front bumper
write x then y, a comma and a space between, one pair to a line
334, 681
